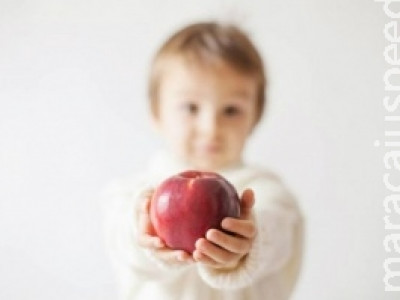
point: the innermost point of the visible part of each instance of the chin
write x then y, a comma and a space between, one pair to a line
209, 165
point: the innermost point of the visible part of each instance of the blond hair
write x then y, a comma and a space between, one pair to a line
204, 43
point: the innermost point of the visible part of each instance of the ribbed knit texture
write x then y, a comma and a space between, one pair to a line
268, 272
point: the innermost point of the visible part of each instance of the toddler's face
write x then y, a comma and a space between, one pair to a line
206, 114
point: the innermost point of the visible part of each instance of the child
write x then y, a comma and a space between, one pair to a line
207, 94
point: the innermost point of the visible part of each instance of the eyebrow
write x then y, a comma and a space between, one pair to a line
241, 94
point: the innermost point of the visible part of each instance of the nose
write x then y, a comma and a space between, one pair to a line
208, 124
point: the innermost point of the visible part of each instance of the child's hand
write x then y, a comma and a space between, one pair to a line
222, 250
147, 237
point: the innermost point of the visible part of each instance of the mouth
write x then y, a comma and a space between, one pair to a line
209, 149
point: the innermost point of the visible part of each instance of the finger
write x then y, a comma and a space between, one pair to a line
169, 255
184, 256
244, 228
214, 252
146, 234
145, 205
148, 241
146, 193
144, 222
246, 204
198, 256
234, 244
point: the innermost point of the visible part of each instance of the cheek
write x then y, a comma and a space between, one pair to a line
234, 139
241, 127
238, 134
177, 129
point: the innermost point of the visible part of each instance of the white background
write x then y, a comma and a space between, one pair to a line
74, 115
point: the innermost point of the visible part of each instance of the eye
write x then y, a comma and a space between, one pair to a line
190, 108
231, 110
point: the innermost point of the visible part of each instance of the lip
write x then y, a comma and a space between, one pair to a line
209, 148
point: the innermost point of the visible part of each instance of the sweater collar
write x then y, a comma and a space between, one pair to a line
165, 164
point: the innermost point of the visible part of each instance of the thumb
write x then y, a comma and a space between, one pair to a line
246, 204
145, 224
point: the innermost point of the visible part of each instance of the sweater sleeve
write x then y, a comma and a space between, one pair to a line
276, 216
120, 200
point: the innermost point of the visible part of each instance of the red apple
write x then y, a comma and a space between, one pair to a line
188, 204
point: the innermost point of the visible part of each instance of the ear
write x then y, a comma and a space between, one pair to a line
155, 122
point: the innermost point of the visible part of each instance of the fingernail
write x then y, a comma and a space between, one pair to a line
181, 256
224, 223
209, 234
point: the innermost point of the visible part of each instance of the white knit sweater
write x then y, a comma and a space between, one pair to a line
268, 272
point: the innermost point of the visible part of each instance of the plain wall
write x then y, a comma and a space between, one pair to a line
74, 115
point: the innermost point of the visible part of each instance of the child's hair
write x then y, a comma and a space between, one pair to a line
205, 43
